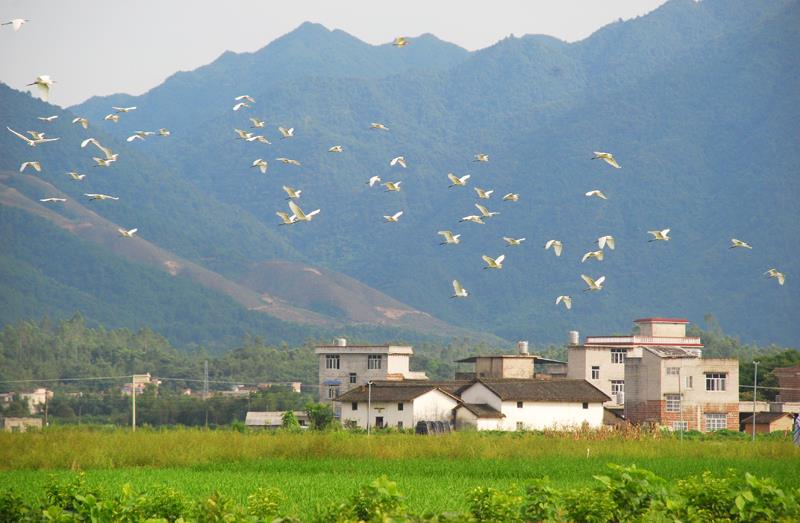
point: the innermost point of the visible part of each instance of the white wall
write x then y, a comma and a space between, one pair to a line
550, 415
479, 393
433, 405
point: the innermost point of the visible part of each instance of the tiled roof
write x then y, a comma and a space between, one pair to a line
671, 352
541, 390
482, 410
391, 391
766, 417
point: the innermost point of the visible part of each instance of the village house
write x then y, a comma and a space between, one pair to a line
36, 399
273, 419
769, 422
397, 404
528, 404
139, 382
21, 424
343, 367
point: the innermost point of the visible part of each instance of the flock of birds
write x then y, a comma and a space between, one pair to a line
296, 214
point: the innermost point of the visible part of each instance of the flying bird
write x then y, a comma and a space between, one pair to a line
52, 200
481, 157
593, 285
261, 164
37, 138
659, 235
456, 181
43, 82
597, 193
239, 106
245, 97
378, 126
257, 138
739, 243
449, 238
75, 176
484, 211
512, 242
394, 218
511, 197
392, 186
108, 153
293, 193
285, 218
163, 132
127, 233
47, 119
286, 133
606, 157
494, 263
472, 218
606, 240
139, 135
774, 273
555, 244
95, 196
336, 149
598, 255
83, 122
112, 117
16, 23
373, 180
257, 122
400, 41
458, 290
567, 301
482, 194
288, 161
300, 216
123, 109
35, 165
104, 162
400, 160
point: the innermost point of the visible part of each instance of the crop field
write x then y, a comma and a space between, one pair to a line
316, 470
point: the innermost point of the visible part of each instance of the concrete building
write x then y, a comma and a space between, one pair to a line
139, 382
788, 383
526, 404
36, 399
343, 367
673, 386
396, 404
521, 365
770, 422
600, 360
273, 419
21, 424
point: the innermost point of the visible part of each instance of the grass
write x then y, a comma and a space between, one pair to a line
312, 469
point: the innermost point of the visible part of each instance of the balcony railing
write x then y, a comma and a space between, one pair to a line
643, 340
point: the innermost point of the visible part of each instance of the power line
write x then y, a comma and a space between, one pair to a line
68, 379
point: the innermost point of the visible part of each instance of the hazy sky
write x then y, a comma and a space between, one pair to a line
98, 47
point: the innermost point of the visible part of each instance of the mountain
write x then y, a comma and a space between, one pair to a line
696, 100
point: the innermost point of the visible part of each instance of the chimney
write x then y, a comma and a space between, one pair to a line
522, 348
341, 342
574, 338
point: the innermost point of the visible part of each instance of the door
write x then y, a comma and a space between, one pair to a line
379, 422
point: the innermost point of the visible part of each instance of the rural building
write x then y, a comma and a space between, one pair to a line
21, 424
788, 383
600, 360
673, 386
139, 382
770, 422
36, 399
343, 367
521, 365
273, 419
397, 404
525, 404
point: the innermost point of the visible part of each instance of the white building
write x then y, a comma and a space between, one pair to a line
520, 404
273, 419
343, 367
36, 399
396, 404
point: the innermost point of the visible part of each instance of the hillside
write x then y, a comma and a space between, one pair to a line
698, 101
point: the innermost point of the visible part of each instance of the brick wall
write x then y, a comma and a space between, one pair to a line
788, 378
655, 411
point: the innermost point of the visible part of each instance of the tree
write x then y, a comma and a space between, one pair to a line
320, 415
289, 421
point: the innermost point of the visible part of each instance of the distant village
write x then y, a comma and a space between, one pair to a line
656, 377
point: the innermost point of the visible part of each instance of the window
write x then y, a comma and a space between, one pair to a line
688, 382
400, 424
716, 422
673, 371
585, 405
680, 425
353, 377
331, 361
520, 426
618, 355
374, 361
333, 392
715, 381
399, 406
519, 404
617, 386
595, 372
354, 405
673, 402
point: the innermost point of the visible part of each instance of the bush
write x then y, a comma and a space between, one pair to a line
492, 505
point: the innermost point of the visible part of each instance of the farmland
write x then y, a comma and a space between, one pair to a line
315, 470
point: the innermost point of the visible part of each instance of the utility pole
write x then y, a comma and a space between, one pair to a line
45, 408
680, 401
133, 403
369, 405
755, 391
205, 389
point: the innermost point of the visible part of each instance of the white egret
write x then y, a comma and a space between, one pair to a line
127, 233
598, 255
450, 238
739, 243
104, 162
35, 165
775, 273
494, 263
481, 157
556, 245
472, 218
163, 132
567, 300
96, 196
286, 133
239, 106
108, 153
394, 218
378, 126
16, 23
392, 186
292, 192
288, 161
598, 193
75, 176
458, 290
245, 97
300, 215
47, 119
257, 122
123, 109
659, 235
111, 117
52, 200
606, 157
336, 149
593, 285
482, 194
285, 218
262, 164
484, 211
513, 242
373, 180
456, 181
400, 41
83, 122
139, 135
258, 138
511, 197
38, 138
43, 82
606, 240
399, 160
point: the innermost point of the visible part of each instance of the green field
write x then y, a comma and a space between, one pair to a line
314, 470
